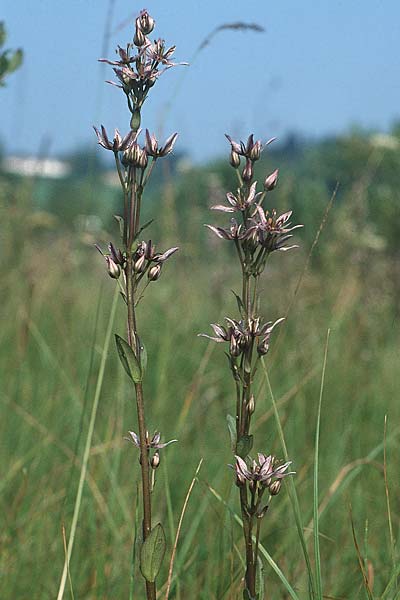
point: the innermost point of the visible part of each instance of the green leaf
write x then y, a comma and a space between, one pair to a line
3, 34
239, 303
120, 222
128, 359
142, 357
15, 61
260, 588
143, 227
244, 445
152, 553
232, 430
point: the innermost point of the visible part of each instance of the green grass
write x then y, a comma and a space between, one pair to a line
51, 344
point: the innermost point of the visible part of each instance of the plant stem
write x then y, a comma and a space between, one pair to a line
134, 215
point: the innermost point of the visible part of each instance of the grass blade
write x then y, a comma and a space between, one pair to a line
292, 489
317, 553
85, 459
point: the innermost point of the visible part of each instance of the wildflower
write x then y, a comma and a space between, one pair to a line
264, 334
152, 148
119, 143
154, 442
262, 471
235, 232
239, 202
273, 232
145, 23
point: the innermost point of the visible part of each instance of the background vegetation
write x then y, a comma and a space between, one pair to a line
56, 300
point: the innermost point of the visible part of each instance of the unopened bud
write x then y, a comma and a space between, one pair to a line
255, 151
132, 155
234, 347
142, 162
234, 159
263, 347
251, 405
139, 38
248, 171
154, 272
145, 22
275, 487
113, 269
155, 460
139, 264
271, 181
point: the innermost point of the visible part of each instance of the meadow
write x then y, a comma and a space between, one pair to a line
58, 358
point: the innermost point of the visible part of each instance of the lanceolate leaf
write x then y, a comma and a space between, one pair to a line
152, 553
232, 431
244, 445
128, 359
260, 590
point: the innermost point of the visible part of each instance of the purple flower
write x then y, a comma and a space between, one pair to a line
239, 202
273, 232
119, 143
264, 471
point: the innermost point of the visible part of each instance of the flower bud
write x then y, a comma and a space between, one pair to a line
142, 162
139, 38
113, 269
155, 460
263, 347
139, 265
271, 181
133, 154
234, 347
261, 514
234, 159
145, 22
248, 171
255, 151
251, 405
275, 487
154, 272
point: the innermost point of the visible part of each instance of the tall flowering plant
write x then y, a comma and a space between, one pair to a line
135, 263
255, 232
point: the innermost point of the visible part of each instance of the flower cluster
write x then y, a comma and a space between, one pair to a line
140, 64
263, 473
145, 260
242, 334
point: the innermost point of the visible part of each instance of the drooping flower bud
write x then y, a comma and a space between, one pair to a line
271, 181
142, 162
263, 347
154, 272
155, 460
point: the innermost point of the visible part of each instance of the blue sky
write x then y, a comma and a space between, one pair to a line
319, 68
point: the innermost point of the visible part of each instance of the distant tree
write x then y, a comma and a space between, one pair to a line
10, 60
